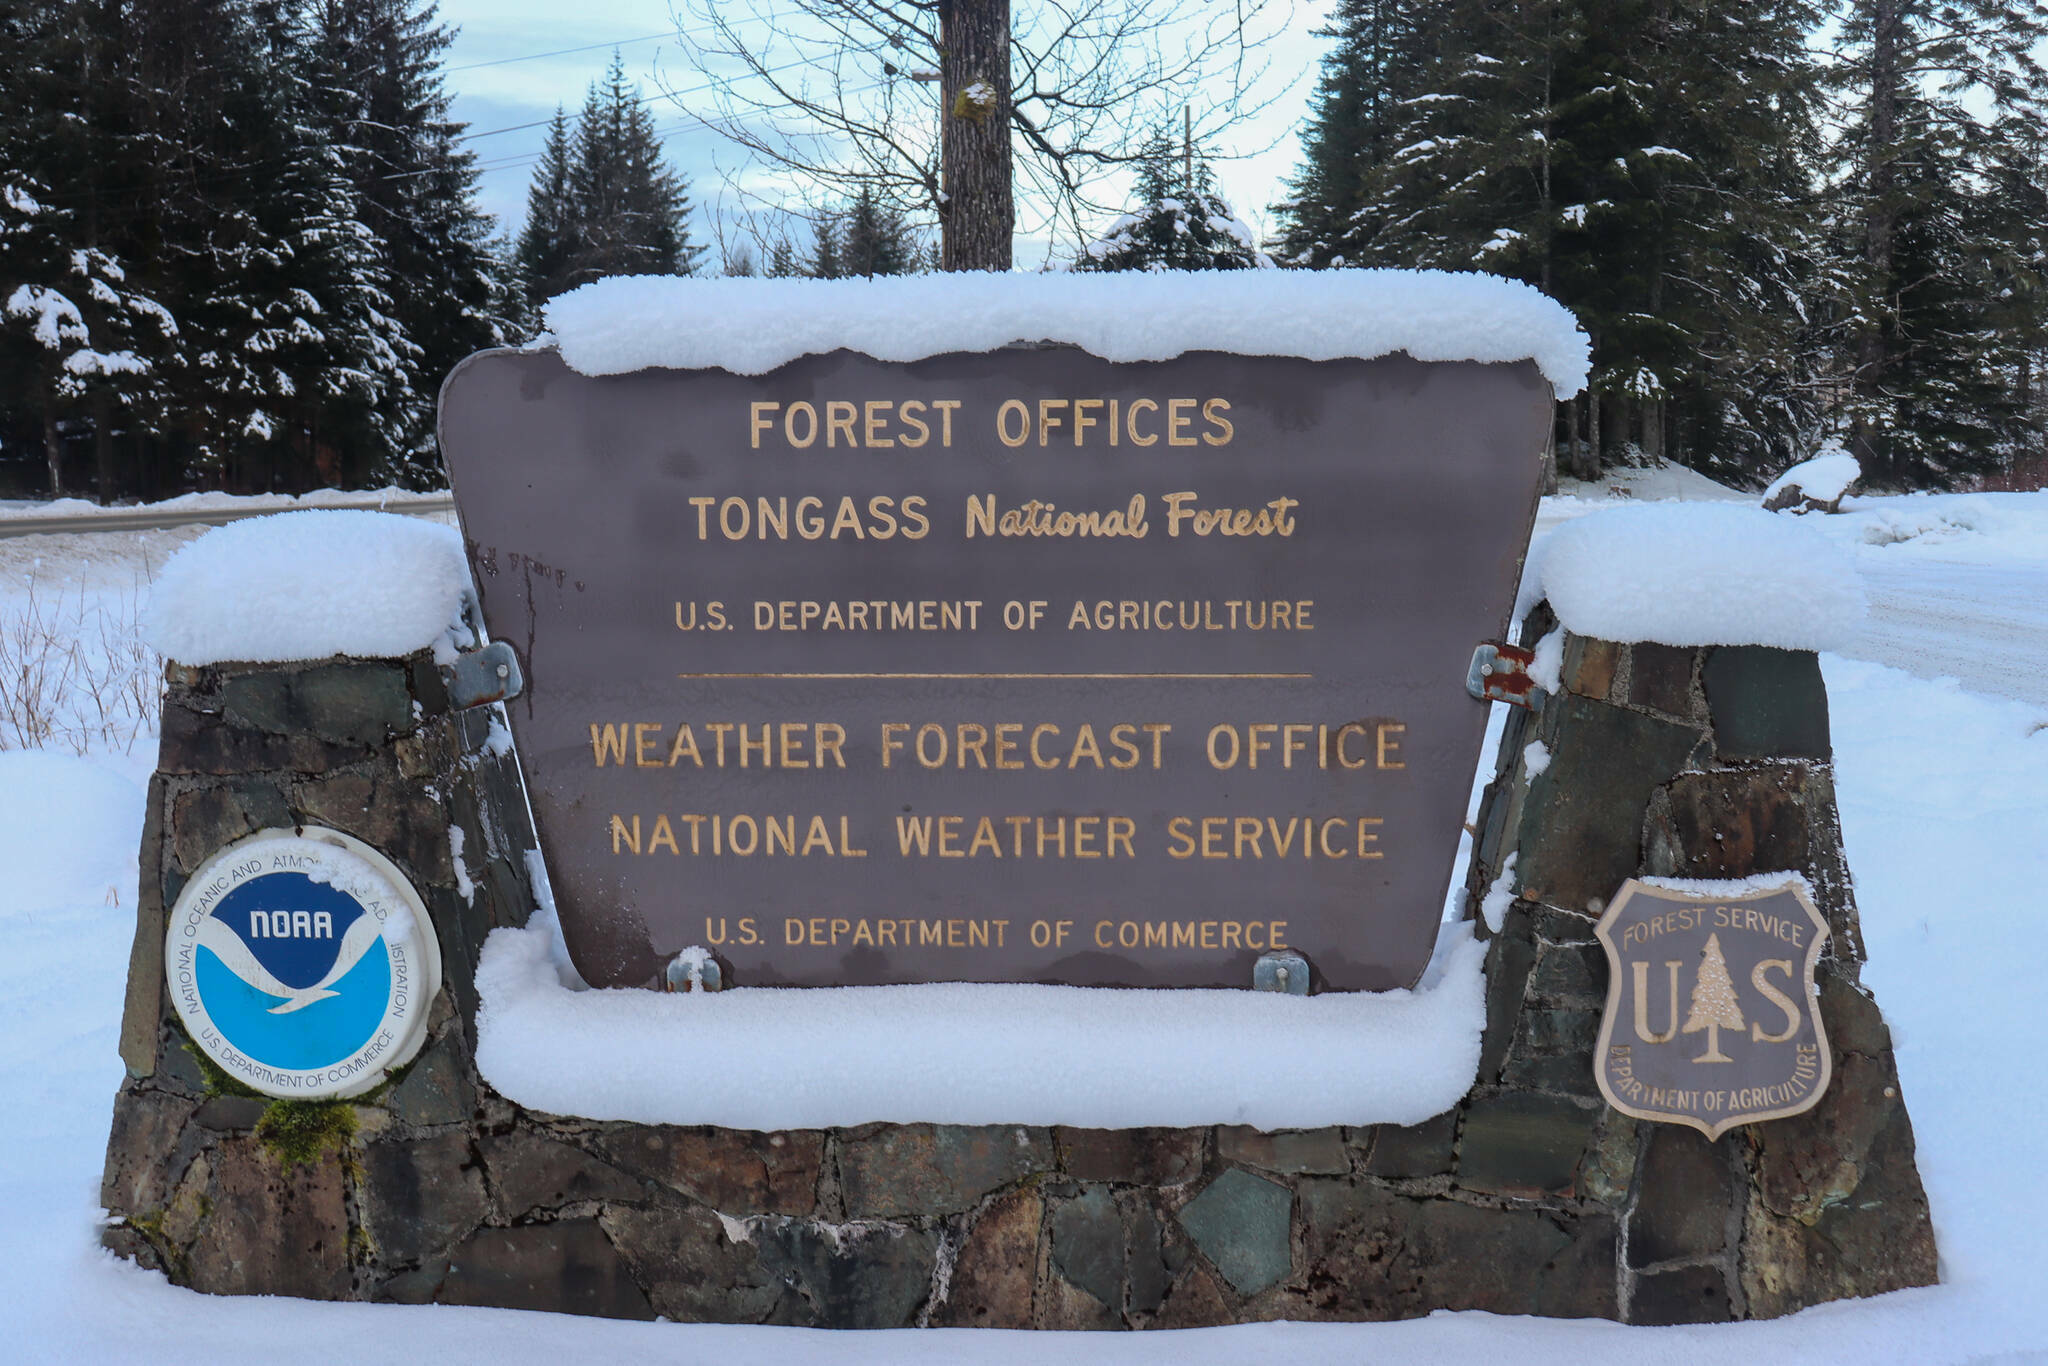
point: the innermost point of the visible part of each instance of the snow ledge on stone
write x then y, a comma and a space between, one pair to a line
309, 585
977, 1053
1699, 574
750, 326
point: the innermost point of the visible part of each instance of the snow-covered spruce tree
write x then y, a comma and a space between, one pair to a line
1370, 77
1944, 273
277, 178
1645, 164
417, 187
76, 337
1181, 222
309, 369
2016, 200
631, 212
88, 346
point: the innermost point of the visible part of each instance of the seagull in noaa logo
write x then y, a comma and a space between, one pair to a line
237, 957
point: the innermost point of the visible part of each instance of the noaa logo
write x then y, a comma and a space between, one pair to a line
302, 963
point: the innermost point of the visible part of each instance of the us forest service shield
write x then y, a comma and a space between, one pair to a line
1712, 1017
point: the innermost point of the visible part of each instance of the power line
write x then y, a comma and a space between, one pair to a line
675, 32
564, 51
516, 161
647, 99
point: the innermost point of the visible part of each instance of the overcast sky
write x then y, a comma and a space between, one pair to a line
492, 93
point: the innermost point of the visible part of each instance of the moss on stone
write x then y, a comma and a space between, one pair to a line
362, 1248
151, 1226
300, 1131
212, 1076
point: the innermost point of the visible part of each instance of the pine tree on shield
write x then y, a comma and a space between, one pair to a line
1714, 1007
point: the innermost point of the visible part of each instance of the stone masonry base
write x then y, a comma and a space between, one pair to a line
1530, 1197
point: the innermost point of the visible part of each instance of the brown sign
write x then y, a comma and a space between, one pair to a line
1711, 1015
1023, 666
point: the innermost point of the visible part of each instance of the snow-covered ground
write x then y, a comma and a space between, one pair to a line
1958, 582
1947, 830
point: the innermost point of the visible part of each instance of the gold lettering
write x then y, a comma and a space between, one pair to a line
1212, 413
1776, 997
1642, 991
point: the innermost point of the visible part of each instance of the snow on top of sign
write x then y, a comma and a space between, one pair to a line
1699, 574
1824, 478
1731, 887
976, 1053
307, 585
750, 326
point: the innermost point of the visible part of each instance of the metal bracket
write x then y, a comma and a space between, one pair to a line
487, 675
696, 972
1500, 673
1286, 971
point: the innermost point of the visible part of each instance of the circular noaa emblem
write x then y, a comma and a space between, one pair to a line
303, 963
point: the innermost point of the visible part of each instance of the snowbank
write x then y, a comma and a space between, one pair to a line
1669, 482
1698, 574
956, 1053
76, 816
751, 326
306, 585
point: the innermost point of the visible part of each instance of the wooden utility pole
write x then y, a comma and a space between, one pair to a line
977, 214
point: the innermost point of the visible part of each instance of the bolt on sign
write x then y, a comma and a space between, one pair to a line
1017, 666
1712, 1018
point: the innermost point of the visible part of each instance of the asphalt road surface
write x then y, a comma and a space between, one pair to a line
1984, 624
163, 519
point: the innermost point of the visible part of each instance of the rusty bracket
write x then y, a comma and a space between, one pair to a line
487, 675
1500, 673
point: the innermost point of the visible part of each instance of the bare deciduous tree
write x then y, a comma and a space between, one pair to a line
924, 102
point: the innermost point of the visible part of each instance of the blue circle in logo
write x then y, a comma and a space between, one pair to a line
296, 930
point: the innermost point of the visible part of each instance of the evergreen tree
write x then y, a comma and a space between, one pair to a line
1643, 163
782, 262
874, 240
1181, 222
631, 211
385, 106
1943, 277
825, 261
1378, 63
254, 214
547, 243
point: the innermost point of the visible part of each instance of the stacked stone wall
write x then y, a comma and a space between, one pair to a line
1529, 1197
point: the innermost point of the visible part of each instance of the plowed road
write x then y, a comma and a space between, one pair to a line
163, 518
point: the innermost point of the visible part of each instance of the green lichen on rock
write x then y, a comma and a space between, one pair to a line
300, 1131
218, 1081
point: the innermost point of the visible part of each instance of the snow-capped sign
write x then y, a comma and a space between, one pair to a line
303, 963
1017, 666
1712, 1018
